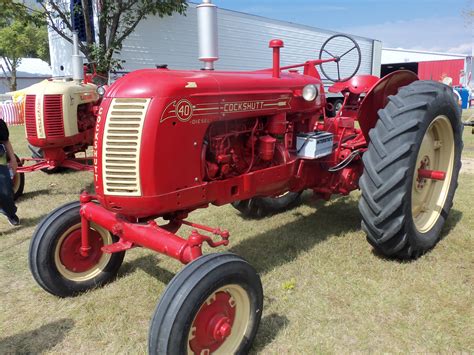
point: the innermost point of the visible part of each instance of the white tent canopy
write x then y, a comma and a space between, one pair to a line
29, 67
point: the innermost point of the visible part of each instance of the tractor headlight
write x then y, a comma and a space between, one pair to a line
310, 92
101, 90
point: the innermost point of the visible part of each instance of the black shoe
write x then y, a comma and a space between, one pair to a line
14, 220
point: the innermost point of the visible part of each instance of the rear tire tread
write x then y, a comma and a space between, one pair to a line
385, 193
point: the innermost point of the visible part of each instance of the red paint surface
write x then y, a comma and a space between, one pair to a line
436, 70
431, 174
30, 119
53, 116
213, 324
70, 253
212, 155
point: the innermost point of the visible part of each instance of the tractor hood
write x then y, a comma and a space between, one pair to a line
154, 83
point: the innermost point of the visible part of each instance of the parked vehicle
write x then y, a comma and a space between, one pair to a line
168, 142
60, 116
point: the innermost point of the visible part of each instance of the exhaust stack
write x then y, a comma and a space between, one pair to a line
207, 32
77, 63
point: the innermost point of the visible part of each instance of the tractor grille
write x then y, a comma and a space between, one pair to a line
121, 149
30, 121
53, 115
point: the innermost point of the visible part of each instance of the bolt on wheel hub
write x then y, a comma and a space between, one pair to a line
221, 322
68, 259
424, 164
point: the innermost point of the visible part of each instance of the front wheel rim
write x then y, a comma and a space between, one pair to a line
436, 153
68, 259
221, 322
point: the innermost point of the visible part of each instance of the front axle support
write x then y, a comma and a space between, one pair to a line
149, 235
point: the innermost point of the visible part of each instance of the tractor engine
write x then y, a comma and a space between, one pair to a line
237, 147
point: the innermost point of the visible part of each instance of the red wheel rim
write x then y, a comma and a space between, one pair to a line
69, 252
222, 323
213, 323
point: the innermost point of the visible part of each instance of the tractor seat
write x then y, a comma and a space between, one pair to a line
357, 85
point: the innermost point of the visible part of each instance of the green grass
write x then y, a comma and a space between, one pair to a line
325, 289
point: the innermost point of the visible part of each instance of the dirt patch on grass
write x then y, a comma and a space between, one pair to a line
467, 165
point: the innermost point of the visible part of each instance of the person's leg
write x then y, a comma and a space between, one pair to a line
7, 202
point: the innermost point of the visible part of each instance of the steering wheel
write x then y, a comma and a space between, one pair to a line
337, 58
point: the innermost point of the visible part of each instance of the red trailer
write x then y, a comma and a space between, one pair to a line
428, 65
438, 69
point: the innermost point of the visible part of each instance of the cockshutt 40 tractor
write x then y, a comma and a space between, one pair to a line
60, 116
169, 142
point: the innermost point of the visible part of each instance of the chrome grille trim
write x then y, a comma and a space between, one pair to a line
121, 147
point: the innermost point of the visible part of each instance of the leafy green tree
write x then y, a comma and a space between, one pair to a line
19, 39
117, 19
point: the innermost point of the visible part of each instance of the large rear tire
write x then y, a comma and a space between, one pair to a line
420, 128
55, 260
212, 306
259, 207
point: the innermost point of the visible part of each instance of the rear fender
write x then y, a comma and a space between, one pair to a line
377, 98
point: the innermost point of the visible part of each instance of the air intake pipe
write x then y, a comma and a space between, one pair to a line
207, 32
77, 63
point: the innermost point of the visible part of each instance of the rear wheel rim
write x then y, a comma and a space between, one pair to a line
221, 322
436, 153
16, 182
71, 264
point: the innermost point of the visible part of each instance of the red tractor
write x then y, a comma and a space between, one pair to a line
60, 116
169, 142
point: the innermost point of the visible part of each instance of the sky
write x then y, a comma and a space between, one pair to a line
430, 25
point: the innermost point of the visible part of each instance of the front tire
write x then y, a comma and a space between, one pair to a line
213, 305
54, 257
420, 128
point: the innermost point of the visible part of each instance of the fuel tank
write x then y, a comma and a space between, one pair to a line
151, 128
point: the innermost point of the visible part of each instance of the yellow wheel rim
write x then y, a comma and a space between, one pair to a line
436, 153
239, 302
71, 240
16, 182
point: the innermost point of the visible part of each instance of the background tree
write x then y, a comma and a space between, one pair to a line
20, 36
117, 19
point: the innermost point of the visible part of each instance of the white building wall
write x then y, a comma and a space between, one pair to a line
243, 44
392, 55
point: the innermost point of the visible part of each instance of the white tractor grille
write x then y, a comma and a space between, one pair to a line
121, 148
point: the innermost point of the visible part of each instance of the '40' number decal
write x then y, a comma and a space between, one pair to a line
182, 110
